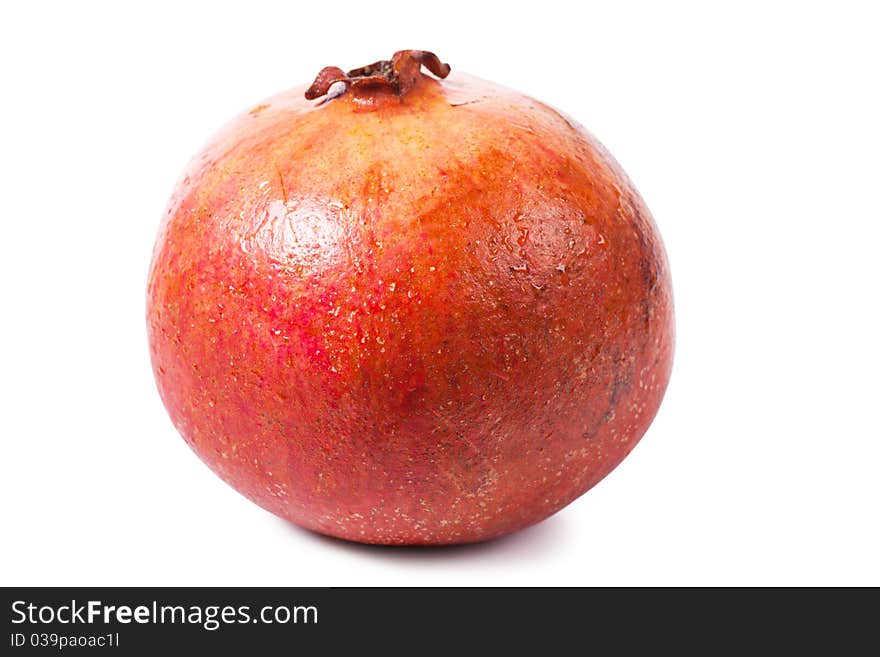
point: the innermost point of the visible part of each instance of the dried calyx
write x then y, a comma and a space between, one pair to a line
397, 75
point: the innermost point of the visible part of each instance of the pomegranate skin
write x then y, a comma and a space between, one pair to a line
431, 319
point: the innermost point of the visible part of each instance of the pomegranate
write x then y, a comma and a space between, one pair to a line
400, 306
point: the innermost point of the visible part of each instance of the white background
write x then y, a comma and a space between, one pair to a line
752, 133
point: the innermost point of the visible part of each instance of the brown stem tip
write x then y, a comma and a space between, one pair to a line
397, 75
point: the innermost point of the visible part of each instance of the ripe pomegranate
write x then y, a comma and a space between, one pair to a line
400, 309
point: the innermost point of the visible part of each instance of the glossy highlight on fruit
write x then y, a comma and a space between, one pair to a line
402, 306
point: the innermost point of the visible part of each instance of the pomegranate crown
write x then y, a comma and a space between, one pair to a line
397, 75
